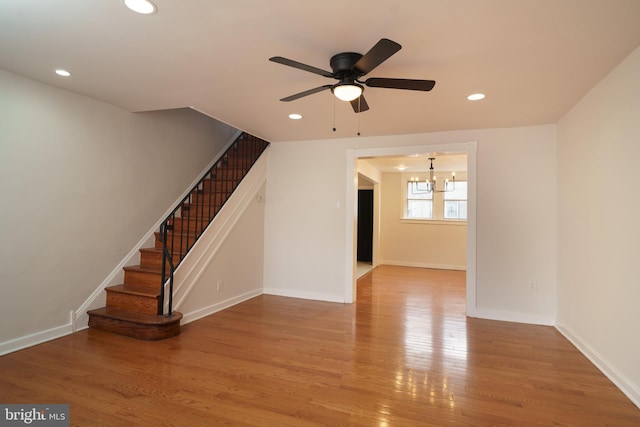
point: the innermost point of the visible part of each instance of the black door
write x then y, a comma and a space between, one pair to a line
365, 225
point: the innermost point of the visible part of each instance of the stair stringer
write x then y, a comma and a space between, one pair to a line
190, 270
79, 317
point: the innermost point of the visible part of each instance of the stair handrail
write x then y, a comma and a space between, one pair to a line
243, 145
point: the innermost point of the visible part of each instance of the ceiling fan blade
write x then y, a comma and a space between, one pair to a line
409, 84
360, 104
306, 93
376, 56
300, 66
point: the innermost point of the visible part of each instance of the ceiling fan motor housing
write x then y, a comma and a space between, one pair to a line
342, 65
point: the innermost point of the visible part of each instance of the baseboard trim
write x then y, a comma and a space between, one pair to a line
219, 306
626, 386
509, 316
34, 339
289, 293
424, 265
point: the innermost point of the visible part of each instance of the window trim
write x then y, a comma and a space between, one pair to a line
427, 221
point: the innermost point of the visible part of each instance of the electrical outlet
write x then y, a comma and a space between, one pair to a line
533, 286
219, 287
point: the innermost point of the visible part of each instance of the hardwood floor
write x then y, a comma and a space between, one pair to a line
404, 355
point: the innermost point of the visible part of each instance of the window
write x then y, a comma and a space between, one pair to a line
419, 202
447, 205
455, 202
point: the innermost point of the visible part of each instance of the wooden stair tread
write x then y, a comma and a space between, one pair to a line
143, 291
144, 268
157, 251
182, 232
133, 317
181, 219
214, 208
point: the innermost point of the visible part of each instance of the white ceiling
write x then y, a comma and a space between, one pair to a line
443, 162
533, 58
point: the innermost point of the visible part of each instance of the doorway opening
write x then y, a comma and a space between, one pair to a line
366, 229
353, 238
364, 245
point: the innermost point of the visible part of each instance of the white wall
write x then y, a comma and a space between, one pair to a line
305, 226
235, 272
369, 171
517, 224
304, 220
81, 181
599, 226
427, 244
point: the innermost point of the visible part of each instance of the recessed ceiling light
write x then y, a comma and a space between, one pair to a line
141, 6
476, 97
295, 116
401, 167
63, 73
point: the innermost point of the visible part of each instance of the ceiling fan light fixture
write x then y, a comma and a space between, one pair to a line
347, 91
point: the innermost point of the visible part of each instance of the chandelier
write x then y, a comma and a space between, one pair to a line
431, 184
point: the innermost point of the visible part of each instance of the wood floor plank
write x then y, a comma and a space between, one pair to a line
405, 354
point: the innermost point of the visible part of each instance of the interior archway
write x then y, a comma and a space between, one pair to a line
470, 149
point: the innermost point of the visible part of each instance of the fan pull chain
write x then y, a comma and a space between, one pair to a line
359, 112
334, 113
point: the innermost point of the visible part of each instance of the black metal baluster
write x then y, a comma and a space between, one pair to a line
188, 198
163, 238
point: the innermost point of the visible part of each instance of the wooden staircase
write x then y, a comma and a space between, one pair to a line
135, 308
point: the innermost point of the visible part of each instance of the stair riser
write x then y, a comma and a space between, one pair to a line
234, 163
230, 171
201, 212
220, 178
219, 186
134, 330
245, 155
135, 303
205, 205
175, 244
210, 196
154, 259
239, 158
192, 225
142, 278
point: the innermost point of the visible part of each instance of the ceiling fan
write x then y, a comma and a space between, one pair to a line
349, 67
